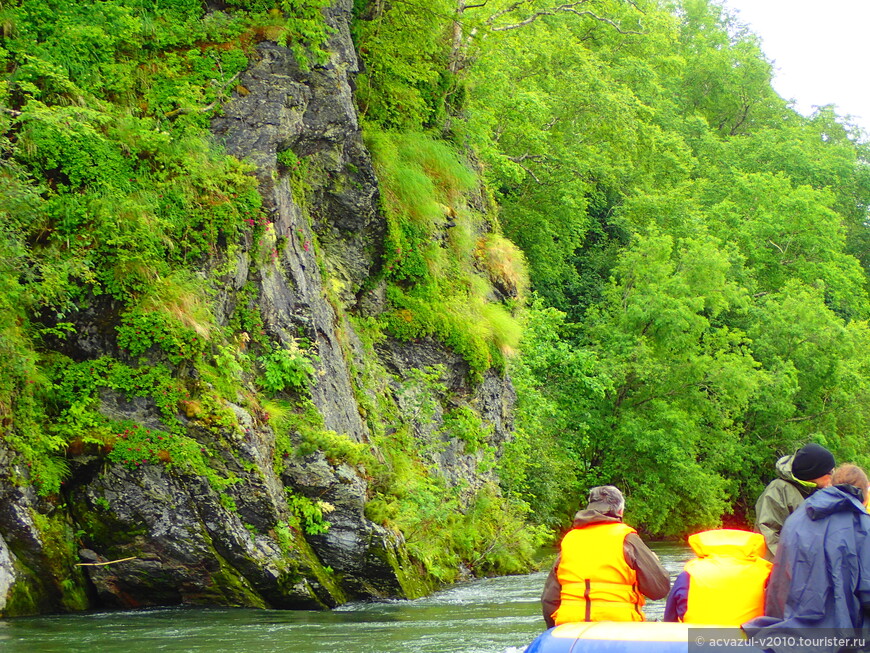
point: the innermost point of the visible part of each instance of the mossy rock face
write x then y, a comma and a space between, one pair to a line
227, 587
37, 549
18, 586
50, 585
403, 577
369, 560
336, 231
209, 537
320, 582
23, 599
173, 541
413, 579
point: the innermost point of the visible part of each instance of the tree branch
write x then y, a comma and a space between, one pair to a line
526, 157
805, 418
570, 7
532, 157
781, 250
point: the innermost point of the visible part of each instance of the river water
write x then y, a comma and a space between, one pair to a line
494, 615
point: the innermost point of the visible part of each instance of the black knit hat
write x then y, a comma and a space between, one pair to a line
812, 461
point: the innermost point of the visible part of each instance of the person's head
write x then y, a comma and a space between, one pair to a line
813, 463
606, 499
849, 474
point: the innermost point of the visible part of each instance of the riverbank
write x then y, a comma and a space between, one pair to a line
493, 615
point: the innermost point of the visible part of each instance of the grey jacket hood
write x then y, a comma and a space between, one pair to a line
587, 517
783, 468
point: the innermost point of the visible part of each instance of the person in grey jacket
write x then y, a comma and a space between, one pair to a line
800, 475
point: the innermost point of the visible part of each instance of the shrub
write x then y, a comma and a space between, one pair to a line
286, 368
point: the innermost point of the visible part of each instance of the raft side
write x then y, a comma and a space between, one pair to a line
623, 637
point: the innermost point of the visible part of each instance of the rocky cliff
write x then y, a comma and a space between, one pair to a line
276, 518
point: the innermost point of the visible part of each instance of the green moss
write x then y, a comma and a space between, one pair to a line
299, 172
57, 584
303, 566
23, 598
61, 554
440, 277
230, 588
300, 430
413, 578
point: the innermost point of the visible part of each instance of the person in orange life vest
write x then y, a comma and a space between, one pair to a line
604, 570
725, 584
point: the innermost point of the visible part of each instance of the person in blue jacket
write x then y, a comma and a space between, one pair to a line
820, 583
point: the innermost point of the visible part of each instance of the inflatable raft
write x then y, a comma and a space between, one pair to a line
634, 637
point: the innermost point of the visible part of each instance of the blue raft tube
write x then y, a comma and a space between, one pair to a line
637, 637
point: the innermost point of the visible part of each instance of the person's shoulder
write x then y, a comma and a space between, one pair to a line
632, 539
777, 487
783, 487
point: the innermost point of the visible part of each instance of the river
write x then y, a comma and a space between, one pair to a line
493, 615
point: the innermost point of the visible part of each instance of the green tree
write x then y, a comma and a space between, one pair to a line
545, 464
680, 380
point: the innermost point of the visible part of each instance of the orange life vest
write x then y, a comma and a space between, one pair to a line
597, 583
727, 579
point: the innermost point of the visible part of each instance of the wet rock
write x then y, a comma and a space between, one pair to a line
171, 540
492, 400
7, 574
366, 556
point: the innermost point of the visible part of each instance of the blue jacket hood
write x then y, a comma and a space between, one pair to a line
839, 498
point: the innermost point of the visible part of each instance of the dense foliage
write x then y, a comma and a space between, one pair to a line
113, 198
698, 249
687, 255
